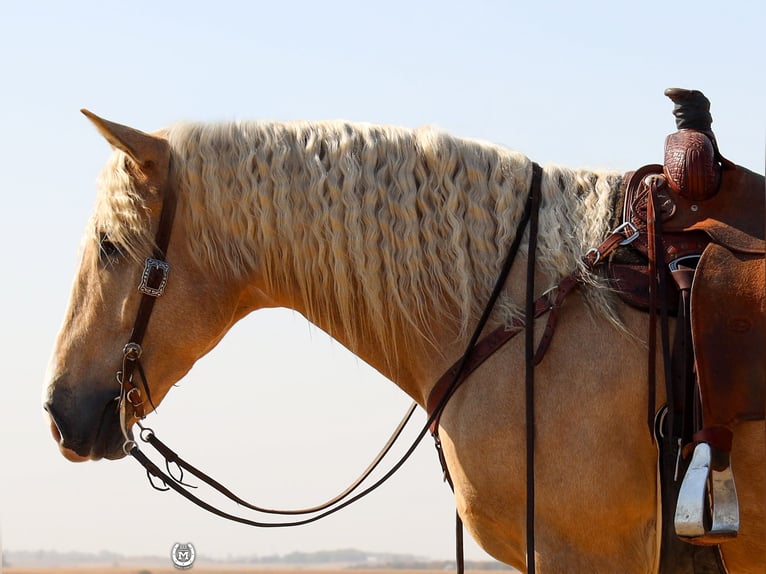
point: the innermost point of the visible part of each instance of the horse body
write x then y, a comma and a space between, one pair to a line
389, 240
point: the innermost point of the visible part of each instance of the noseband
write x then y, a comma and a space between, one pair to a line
154, 278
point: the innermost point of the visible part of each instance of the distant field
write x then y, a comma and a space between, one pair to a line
201, 570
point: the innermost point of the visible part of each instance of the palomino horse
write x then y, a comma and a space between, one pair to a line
390, 241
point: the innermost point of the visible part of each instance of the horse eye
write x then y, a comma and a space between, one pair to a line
108, 250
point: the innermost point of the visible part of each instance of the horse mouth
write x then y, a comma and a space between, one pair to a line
104, 441
68, 453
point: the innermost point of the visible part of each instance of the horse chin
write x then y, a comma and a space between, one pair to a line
111, 451
71, 455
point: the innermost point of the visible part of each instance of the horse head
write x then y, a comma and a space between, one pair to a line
82, 391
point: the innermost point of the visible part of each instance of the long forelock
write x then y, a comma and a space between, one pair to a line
121, 214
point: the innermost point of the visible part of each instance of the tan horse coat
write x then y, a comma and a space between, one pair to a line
596, 485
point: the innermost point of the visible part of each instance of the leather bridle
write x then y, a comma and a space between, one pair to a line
154, 278
152, 286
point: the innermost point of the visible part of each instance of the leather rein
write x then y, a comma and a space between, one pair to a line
155, 277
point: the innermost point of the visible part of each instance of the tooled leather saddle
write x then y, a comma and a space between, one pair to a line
696, 253
689, 243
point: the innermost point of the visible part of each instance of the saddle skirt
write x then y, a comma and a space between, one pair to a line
727, 319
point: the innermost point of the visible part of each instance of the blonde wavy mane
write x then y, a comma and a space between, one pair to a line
382, 228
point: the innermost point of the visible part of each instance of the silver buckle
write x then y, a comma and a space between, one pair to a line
597, 256
150, 284
620, 229
634, 233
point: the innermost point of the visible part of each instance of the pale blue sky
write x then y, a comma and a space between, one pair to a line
574, 83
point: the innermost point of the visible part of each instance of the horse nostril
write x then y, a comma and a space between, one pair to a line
70, 452
55, 429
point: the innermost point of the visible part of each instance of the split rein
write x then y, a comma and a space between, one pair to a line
154, 279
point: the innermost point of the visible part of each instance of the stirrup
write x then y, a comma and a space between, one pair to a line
707, 511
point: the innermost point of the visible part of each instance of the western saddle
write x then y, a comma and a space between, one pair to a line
698, 220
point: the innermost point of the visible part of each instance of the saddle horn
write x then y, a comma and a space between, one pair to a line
692, 163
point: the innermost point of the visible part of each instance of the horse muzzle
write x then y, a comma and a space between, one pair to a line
86, 427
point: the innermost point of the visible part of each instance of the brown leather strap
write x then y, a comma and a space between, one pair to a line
657, 292
652, 339
494, 341
171, 457
448, 384
437, 405
155, 285
563, 289
719, 437
483, 350
682, 361
529, 378
162, 241
595, 256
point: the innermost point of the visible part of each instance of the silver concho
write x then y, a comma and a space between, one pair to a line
150, 284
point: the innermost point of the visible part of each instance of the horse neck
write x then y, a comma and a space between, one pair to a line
388, 240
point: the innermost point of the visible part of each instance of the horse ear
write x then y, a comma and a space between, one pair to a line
148, 151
